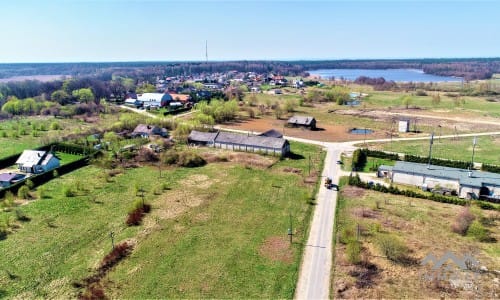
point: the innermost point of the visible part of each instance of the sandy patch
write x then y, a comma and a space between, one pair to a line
277, 248
353, 191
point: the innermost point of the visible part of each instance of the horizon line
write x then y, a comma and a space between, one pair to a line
240, 60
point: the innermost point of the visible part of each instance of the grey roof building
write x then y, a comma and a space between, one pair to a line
463, 181
272, 133
302, 121
241, 142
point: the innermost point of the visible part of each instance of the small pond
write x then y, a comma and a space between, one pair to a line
360, 131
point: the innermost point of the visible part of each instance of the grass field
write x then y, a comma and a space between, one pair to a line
24, 133
486, 150
210, 235
422, 227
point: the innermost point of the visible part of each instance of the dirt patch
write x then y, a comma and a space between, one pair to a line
353, 191
248, 159
292, 170
363, 212
277, 248
198, 180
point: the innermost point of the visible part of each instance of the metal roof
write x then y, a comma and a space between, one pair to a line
478, 178
272, 133
252, 140
30, 158
300, 120
199, 136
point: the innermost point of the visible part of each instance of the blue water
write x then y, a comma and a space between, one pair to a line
360, 131
389, 74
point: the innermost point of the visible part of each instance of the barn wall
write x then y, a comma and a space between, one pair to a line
404, 178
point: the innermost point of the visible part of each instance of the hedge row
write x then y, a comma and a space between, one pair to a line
380, 154
438, 162
490, 168
356, 181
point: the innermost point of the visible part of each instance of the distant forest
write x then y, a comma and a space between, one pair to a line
468, 68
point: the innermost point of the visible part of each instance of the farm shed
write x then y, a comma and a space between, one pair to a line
272, 133
302, 121
202, 138
32, 161
6, 179
241, 142
466, 183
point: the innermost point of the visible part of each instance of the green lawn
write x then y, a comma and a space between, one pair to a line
486, 150
205, 237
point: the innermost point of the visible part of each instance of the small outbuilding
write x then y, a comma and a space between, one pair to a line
302, 121
32, 161
272, 133
7, 179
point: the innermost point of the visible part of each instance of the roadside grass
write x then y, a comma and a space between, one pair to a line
460, 148
219, 231
423, 227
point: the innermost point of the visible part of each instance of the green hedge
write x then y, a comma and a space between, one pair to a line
490, 168
380, 154
438, 162
356, 181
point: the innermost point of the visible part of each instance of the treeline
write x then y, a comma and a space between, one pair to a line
469, 68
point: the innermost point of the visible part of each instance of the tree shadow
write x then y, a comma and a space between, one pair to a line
294, 156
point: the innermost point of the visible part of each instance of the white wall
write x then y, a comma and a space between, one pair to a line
407, 179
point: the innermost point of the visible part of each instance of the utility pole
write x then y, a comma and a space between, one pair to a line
112, 236
290, 230
430, 150
474, 142
309, 164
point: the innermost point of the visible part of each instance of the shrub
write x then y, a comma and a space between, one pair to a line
30, 184
190, 159
23, 192
478, 231
55, 126
353, 252
21, 216
392, 247
68, 191
116, 255
134, 217
170, 157
463, 221
347, 234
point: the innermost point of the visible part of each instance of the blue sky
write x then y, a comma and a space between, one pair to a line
168, 30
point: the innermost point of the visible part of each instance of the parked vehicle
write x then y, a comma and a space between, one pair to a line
328, 182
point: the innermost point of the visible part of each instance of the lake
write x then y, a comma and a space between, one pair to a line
389, 74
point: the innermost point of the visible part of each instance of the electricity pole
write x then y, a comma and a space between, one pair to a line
430, 150
474, 142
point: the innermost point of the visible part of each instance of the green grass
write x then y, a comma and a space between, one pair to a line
211, 249
486, 150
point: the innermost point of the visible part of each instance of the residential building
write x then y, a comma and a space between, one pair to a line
32, 161
302, 121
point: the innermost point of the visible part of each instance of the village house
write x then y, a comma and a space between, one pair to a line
155, 99
466, 183
146, 131
32, 161
302, 121
241, 142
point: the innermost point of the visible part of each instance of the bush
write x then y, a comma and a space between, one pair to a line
478, 231
190, 159
68, 191
347, 235
392, 247
463, 221
170, 157
116, 255
30, 184
353, 252
23, 192
21, 216
55, 126
134, 217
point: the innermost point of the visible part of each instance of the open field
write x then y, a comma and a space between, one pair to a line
418, 227
486, 150
210, 233
379, 112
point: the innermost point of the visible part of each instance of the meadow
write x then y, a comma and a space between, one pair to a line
486, 150
381, 240
210, 233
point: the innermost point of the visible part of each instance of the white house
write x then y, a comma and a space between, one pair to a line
155, 99
32, 161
